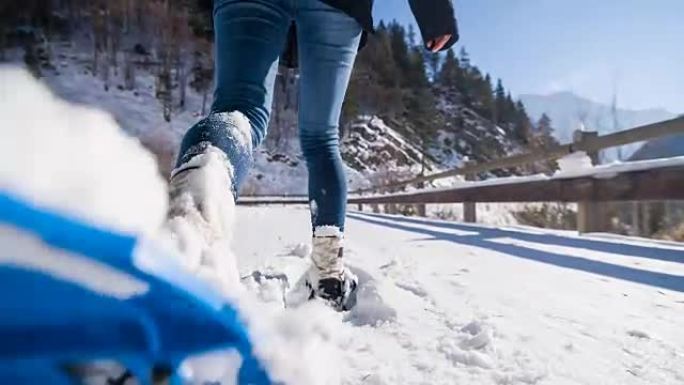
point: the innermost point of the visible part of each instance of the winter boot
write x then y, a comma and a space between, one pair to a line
200, 217
328, 277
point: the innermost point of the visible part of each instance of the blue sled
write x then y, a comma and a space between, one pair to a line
79, 294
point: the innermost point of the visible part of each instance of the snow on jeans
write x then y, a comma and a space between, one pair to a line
250, 35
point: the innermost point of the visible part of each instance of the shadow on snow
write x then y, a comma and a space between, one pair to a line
483, 237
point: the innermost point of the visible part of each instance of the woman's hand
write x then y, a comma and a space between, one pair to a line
436, 44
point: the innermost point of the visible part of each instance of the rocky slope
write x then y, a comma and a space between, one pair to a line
375, 152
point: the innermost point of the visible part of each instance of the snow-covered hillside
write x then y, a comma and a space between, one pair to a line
374, 151
371, 147
468, 135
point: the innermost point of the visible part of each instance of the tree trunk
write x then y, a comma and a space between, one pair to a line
106, 75
205, 94
126, 16
96, 56
114, 52
182, 85
164, 91
129, 71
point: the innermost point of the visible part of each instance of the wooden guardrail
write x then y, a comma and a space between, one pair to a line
590, 143
641, 181
657, 183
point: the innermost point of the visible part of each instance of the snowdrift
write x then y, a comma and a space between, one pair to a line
88, 274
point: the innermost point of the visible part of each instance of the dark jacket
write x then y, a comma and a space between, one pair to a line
434, 17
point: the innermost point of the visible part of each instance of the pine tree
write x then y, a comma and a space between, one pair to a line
464, 58
500, 103
542, 139
400, 52
375, 85
522, 129
419, 98
432, 59
544, 127
449, 73
411, 36
485, 96
509, 111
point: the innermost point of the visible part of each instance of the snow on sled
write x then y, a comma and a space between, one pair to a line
73, 295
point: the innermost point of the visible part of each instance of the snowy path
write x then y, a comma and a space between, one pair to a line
460, 304
439, 303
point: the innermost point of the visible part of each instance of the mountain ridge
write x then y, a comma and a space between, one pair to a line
569, 112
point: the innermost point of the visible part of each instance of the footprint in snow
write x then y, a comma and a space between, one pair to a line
371, 307
390, 265
301, 250
414, 288
477, 336
638, 334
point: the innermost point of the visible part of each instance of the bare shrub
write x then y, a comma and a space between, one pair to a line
675, 233
548, 215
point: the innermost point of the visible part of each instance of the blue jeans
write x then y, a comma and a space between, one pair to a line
250, 35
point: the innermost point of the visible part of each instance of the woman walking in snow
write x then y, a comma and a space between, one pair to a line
249, 38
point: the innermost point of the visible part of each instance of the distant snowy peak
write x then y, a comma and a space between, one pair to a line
568, 111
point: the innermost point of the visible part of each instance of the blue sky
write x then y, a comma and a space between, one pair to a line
589, 47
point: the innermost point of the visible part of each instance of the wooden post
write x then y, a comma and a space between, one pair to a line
636, 223
391, 208
420, 207
591, 215
360, 207
668, 208
469, 208
646, 211
470, 212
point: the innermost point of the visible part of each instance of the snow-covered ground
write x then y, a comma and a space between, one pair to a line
449, 303
439, 302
